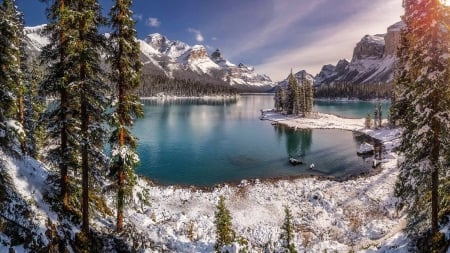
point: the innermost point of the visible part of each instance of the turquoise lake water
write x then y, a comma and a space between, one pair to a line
195, 142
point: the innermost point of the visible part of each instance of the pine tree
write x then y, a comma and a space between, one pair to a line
88, 81
292, 95
126, 77
287, 234
422, 95
59, 116
11, 76
34, 107
279, 99
309, 96
224, 232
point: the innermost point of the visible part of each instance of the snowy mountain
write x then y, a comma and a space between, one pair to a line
372, 62
174, 56
178, 60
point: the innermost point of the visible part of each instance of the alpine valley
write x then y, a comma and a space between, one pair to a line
169, 64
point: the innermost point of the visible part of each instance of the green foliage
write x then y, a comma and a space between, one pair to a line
11, 75
295, 99
225, 234
350, 90
287, 234
422, 105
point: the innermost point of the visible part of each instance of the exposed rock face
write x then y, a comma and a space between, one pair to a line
372, 62
392, 39
370, 47
197, 53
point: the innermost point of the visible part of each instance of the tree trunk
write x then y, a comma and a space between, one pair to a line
63, 117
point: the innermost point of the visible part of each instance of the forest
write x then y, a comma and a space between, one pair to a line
363, 91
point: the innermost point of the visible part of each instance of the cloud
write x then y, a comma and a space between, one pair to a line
197, 33
214, 38
329, 44
138, 17
285, 15
153, 22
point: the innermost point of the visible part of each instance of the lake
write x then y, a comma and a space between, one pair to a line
206, 142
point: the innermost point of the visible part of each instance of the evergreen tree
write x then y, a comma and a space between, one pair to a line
34, 106
59, 117
292, 95
224, 232
422, 94
287, 234
279, 99
309, 95
11, 76
126, 77
88, 81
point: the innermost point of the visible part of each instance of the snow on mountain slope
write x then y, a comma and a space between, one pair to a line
162, 56
372, 62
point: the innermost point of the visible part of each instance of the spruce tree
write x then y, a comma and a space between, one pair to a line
292, 95
422, 94
126, 77
224, 232
11, 76
88, 81
34, 107
59, 117
287, 234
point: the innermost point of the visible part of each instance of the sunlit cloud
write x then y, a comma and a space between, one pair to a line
153, 22
331, 43
197, 33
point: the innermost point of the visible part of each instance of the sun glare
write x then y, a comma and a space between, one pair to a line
445, 2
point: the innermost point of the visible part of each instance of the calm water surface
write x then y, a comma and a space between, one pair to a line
204, 143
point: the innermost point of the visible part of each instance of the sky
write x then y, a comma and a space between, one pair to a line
271, 35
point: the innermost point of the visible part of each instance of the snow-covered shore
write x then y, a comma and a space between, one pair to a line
354, 215
357, 214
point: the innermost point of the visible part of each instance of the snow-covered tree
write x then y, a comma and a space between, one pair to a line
287, 234
422, 105
34, 105
224, 232
61, 125
126, 67
88, 82
11, 76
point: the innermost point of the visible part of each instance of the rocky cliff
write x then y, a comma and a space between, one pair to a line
372, 62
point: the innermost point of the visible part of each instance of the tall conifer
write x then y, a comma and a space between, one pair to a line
88, 81
59, 117
422, 96
126, 78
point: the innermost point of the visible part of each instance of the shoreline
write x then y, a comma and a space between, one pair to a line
354, 215
295, 123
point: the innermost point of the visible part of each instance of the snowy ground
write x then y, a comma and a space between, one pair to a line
329, 216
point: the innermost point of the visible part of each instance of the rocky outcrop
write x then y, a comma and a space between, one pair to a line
197, 53
370, 47
392, 39
372, 62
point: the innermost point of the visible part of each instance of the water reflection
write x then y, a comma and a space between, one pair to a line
298, 142
190, 101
